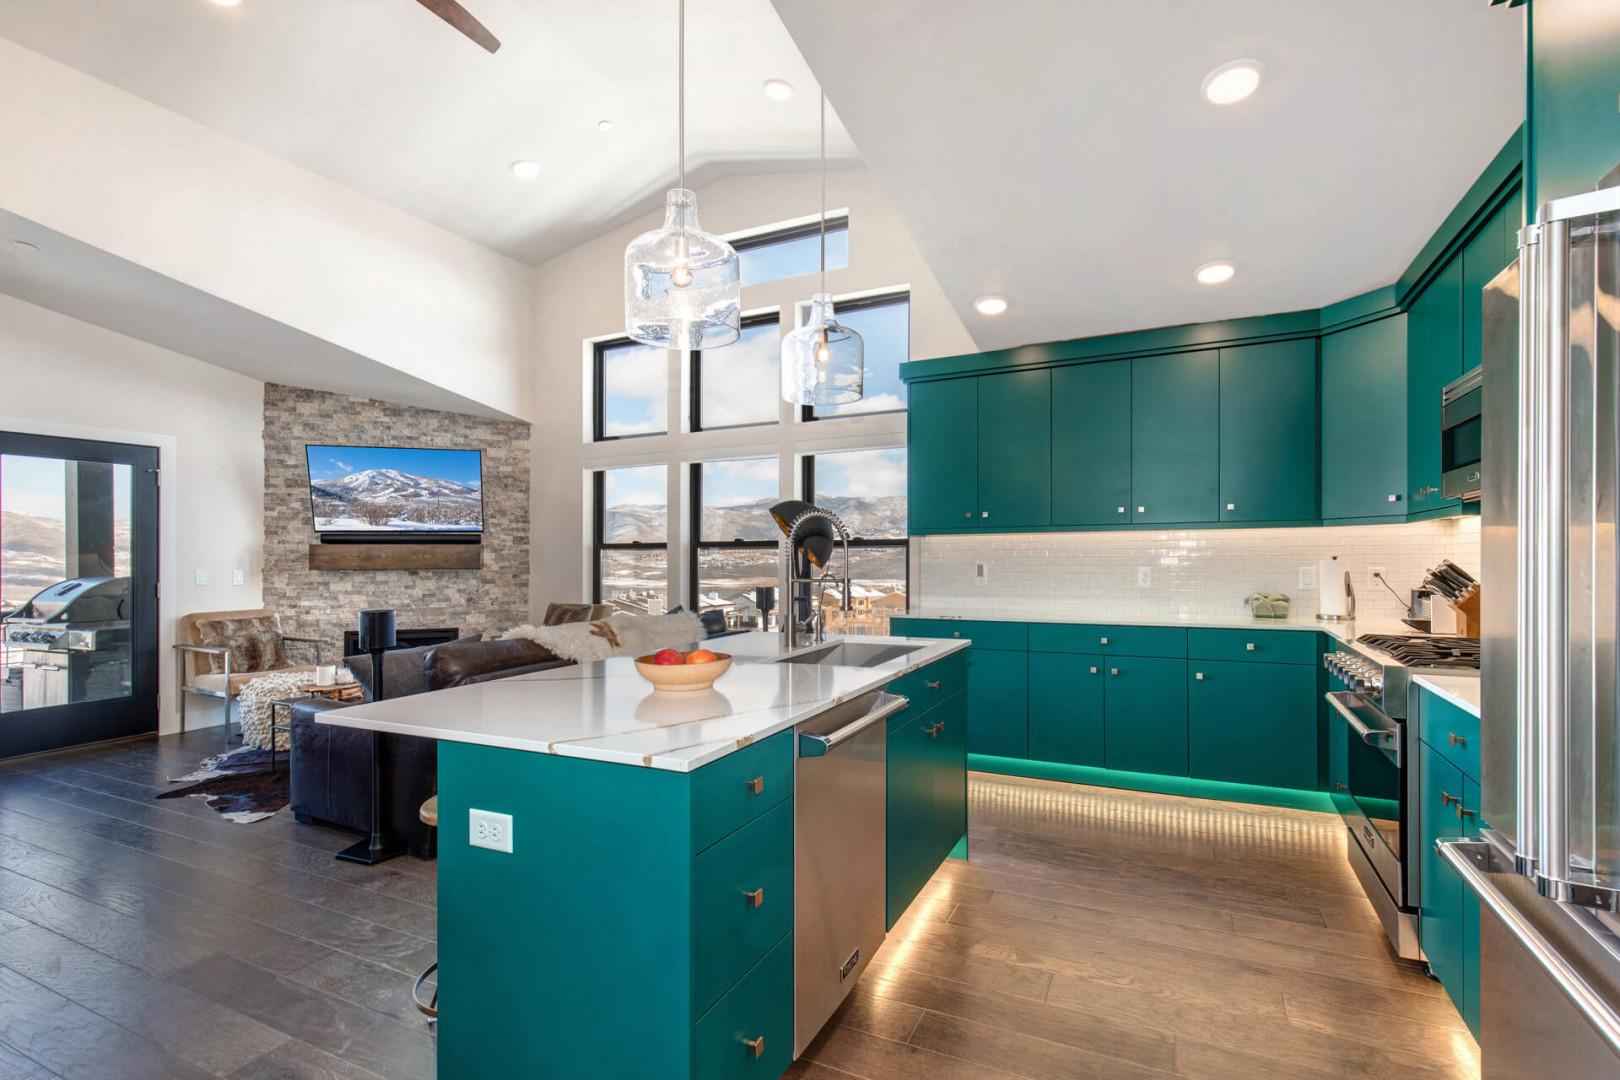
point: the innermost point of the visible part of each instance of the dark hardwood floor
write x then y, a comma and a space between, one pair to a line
1095, 934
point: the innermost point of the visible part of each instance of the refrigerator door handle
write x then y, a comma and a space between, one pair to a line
1464, 857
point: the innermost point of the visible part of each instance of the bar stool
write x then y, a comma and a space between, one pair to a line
430, 1008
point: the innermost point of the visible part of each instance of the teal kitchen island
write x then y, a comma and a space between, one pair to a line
616, 873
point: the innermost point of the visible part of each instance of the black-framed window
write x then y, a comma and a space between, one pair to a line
791, 252
884, 323
734, 538
867, 490
741, 384
630, 538
630, 390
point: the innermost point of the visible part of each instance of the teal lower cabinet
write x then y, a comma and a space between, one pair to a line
927, 805
998, 703
1066, 692
1448, 912
674, 890
1252, 723
1145, 721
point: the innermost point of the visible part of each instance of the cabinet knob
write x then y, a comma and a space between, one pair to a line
756, 898
1094, 669
1249, 645
968, 514
1456, 739
1113, 671
932, 684
1122, 509
1141, 509
1102, 641
757, 1046
956, 633
984, 513
1339, 785
933, 732
1199, 676
1395, 497
1231, 506
756, 785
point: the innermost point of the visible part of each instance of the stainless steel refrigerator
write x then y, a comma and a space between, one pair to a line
1547, 870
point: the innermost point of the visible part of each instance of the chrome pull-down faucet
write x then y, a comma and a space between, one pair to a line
792, 625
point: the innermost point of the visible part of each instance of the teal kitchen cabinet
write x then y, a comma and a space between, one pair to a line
1433, 359
1440, 914
1491, 249
1066, 700
1145, 718
998, 703
1175, 438
942, 485
1470, 825
1015, 450
949, 769
1252, 723
927, 792
1268, 441
1091, 444
1364, 426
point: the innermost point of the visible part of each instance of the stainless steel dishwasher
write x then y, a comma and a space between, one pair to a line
840, 854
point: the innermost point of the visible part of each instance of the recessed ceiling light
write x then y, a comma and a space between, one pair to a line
226, 3
1232, 82
525, 170
778, 89
604, 125
1215, 273
990, 305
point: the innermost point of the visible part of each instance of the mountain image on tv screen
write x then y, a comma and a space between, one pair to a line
394, 489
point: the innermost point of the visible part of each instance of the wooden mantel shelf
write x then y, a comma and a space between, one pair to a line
396, 556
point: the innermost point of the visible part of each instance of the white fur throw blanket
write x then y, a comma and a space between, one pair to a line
616, 635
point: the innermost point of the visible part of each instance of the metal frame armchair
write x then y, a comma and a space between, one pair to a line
225, 684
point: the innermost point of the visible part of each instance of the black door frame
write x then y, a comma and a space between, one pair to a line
34, 730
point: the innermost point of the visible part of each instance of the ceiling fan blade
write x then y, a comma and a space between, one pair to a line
460, 18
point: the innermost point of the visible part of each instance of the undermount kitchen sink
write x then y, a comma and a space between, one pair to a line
851, 654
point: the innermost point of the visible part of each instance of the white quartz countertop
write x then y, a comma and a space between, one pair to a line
607, 712
1347, 630
1461, 690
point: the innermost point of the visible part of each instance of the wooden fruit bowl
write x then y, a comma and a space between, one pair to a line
683, 677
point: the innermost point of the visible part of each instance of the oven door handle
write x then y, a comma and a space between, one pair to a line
1386, 739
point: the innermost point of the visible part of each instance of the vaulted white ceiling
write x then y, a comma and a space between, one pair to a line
1060, 152
385, 98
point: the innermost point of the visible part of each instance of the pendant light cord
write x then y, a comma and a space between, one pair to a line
823, 189
680, 95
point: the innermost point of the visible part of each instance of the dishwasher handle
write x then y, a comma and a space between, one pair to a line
883, 707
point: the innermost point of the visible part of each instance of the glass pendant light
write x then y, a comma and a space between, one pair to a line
823, 361
682, 286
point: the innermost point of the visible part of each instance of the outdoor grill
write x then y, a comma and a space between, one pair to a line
71, 642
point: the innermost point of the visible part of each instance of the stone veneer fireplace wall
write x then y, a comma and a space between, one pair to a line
323, 604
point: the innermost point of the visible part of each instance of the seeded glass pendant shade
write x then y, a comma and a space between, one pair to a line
682, 286
823, 361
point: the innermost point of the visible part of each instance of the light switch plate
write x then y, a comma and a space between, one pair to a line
238, 577
201, 577
981, 574
487, 829
1307, 577
1144, 577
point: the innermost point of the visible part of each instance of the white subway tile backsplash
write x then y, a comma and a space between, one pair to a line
1193, 572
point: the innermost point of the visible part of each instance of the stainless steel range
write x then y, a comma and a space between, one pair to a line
71, 642
1370, 745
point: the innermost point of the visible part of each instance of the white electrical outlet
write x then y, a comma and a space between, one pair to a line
1144, 577
981, 574
1307, 577
487, 829
238, 577
201, 577
1375, 571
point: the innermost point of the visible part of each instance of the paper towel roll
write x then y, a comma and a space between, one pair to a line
1332, 601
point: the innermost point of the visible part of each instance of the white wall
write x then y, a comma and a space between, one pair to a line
579, 296
149, 186
65, 377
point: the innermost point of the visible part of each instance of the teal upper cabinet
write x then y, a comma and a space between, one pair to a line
1175, 438
1364, 421
1091, 444
1433, 358
1491, 249
942, 490
1015, 450
1268, 432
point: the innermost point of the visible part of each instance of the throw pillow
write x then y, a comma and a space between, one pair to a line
558, 614
616, 635
254, 644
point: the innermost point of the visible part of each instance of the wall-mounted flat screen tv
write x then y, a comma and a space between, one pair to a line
394, 489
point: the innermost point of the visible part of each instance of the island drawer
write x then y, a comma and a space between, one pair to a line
742, 902
928, 686
1011, 636
1452, 731
1162, 641
748, 1035
1266, 646
729, 793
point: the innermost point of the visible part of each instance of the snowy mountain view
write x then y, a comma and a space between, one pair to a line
396, 500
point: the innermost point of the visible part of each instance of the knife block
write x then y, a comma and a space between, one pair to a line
1466, 612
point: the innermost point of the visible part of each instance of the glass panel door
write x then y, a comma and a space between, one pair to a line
78, 591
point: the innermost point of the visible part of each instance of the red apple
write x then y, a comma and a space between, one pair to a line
668, 656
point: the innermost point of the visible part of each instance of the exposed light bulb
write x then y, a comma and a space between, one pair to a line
681, 276
823, 353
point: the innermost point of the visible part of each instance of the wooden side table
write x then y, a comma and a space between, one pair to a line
348, 692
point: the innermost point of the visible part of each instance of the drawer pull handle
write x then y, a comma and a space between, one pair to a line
933, 732
1141, 509
932, 684
1340, 786
1199, 676
756, 898
1102, 641
1122, 509
1231, 506
1450, 800
756, 785
1113, 671
1249, 646
756, 1045
1456, 739
1094, 669
1463, 812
